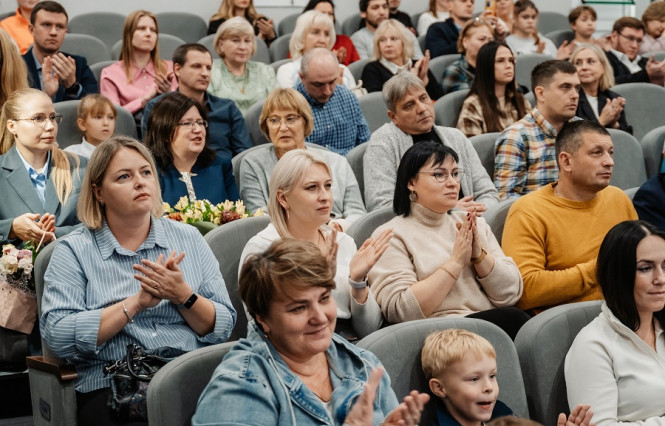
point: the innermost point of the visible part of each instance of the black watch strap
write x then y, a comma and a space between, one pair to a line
188, 304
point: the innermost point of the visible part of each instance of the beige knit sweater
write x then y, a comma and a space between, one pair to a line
423, 241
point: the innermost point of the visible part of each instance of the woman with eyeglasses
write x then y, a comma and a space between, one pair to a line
39, 182
186, 165
442, 261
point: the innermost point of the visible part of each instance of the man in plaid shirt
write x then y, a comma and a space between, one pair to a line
525, 158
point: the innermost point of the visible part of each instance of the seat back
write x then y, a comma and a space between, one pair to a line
69, 133
448, 107
351, 24
559, 36
525, 63
643, 103
362, 229
106, 26
421, 42
629, 170
279, 48
484, 145
187, 26
357, 67
276, 64
252, 122
374, 110
399, 347
495, 216
542, 344
167, 45
439, 64
226, 243
97, 68
659, 56
90, 47
287, 24
355, 159
168, 405
552, 21
652, 149
531, 98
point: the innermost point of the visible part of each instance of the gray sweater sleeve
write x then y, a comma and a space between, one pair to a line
380, 174
253, 179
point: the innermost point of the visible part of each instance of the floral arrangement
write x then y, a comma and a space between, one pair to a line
192, 212
18, 302
16, 267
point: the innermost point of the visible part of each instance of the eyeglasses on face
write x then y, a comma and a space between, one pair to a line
41, 119
275, 122
191, 124
632, 39
442, 175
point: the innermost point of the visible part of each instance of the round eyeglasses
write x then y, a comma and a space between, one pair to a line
442, 175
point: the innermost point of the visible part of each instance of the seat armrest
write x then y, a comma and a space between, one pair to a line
56, 367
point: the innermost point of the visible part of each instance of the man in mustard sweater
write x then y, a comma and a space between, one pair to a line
554, 233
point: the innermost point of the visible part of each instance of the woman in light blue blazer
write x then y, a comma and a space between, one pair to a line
39, 183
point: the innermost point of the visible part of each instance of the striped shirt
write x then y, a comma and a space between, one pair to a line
90, 271
525, 158
339, 124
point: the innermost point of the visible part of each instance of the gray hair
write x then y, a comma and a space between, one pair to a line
316, 53
303, 24
398, 86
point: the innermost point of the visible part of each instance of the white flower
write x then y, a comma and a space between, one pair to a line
182, 203
9, 263
26, 265
9, 249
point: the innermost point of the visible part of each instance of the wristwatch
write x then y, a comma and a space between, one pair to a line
189, 302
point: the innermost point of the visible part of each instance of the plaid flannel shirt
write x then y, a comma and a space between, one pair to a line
457, 76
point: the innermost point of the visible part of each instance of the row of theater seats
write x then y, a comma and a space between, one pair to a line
532, 365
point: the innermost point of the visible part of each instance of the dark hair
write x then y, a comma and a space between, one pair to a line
180, 53
543, 73
363, 4
579, 10
48, 6
484, 84
413, 160
571, 136
162, 125
616, 266
312, 4
620, 24
521, 6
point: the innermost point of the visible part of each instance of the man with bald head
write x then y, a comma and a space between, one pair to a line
339, 124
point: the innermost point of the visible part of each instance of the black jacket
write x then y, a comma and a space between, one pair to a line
375, 75
584, 109
441, 38
623, 75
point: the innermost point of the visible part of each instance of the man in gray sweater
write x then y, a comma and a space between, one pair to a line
412, 113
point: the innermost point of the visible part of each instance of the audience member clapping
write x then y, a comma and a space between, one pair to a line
616, 362
234, 75
128, 276
300, 205
494, 102
187, 166
624, 45
295, 370
286, 119
39, 182
441, 261
526, 38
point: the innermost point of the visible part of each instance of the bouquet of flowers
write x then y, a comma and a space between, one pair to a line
18, 303
205, 215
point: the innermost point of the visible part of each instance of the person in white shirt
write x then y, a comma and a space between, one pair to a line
439, 11
96, 121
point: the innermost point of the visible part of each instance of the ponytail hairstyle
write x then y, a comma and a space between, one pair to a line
521, 6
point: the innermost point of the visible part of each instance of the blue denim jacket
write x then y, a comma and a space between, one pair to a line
254, 386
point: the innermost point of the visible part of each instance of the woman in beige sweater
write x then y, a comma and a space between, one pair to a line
442, 261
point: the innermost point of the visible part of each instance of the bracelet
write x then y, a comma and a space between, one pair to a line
444, 269
358, 285
130, 320
477, 260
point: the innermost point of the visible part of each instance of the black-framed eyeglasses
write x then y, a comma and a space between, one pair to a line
442, 175
191, 124
41, 119
632, 39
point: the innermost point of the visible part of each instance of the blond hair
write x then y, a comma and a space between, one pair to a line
446, 347
467, 31
607, 80
286, 100
127, 50
303, 24
89, 210
13, 71
234, 27
288, 172
225, 11
407, 41
62, 161
93, 104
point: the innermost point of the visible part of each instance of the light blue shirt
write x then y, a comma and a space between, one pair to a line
90, 270
37, 177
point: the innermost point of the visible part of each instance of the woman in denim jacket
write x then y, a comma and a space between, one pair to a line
296, 371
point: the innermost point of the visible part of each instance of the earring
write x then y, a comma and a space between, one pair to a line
101, 203
413, 196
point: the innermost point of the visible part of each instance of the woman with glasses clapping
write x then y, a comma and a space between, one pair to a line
186, 165
39, 182
442, 261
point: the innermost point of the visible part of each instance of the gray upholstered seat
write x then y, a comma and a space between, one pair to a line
496, 217
652, 149
399, 346
559, 36
484, 145
167, 45
168, 405
252, 122
629, 170
351, 24
90, 47
531, 98
97, 68
374, 110
186, 26
448, 107
524, 64
552, 21
279, 48
355, 159
357, 67
542, 344
287, 24
276, 64
643, 106
440, 63
106, 26
659, 56
69, 133
226, 243
362, 229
